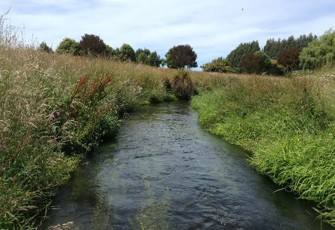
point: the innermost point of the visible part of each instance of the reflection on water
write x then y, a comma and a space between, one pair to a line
164, 172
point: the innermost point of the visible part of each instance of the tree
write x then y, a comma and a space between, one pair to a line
319, 52
92, 45
44, 47
235, 56
181, 56
68, 46
220, 65
146, 57
126, 53
255, 62
273, 48
259, 63
154, 59
289, 58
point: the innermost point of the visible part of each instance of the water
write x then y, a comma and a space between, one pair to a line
164, 172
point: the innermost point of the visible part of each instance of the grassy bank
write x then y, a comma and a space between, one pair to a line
287, 124
54, 110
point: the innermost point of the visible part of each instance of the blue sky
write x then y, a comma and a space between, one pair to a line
213, 27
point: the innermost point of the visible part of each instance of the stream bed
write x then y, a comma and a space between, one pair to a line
164, 172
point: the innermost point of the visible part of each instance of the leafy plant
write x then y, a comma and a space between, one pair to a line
182, 86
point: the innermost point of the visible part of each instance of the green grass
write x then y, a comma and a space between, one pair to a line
287, 124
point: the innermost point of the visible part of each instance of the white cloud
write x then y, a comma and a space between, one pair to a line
213, 28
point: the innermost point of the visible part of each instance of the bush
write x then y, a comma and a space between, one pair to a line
182, 86
219, 65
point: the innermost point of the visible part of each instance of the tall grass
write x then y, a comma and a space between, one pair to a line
55, 109
288, 125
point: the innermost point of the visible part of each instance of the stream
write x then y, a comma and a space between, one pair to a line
165, 172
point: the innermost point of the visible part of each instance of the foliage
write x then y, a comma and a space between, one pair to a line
259, 63
44, 47
126, 53
181, 56
220, 65
82, 120
289, 58
235, 56
92, 45
68, 46
146, 57
274, 47
182, 86
320, 52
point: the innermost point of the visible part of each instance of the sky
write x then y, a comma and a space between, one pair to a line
213, 28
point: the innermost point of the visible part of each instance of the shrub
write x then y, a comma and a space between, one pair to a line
220, 65
182, 86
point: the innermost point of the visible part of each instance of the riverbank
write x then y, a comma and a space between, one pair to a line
56, 109
287, 124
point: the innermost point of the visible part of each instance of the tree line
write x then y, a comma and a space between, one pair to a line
307, 52
277, 57
178, 57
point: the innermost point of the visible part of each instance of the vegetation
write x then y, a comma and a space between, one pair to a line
287, 125
146, 57
179, 57
259, 63
289, 58
44, 47
276, 58
236, 55
320, 52
92, 45
55, 109
182, 86
219, 65
69, 46
274, 47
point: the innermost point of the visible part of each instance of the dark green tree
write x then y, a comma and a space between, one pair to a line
235, 56
181, 56
146, 57
68, 46
126, 53
154, 59
142, 56
44, 47
274, 47
93, 45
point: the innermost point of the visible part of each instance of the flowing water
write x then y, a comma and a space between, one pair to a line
165, 172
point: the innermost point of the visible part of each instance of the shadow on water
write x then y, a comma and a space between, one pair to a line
164, 172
